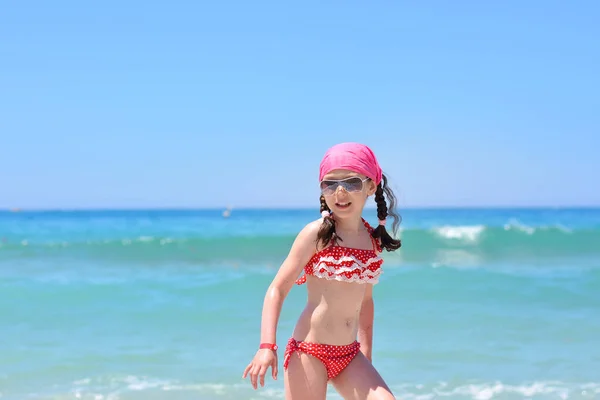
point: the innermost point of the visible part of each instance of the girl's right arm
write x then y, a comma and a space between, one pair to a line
300, 253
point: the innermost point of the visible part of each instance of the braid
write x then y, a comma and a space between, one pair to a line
381, 205
387, 241
327, 230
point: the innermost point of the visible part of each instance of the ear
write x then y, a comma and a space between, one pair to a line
372, 188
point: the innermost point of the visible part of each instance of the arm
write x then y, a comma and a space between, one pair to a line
302, 249
365, 323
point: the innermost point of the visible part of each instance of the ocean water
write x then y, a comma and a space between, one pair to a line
477, 304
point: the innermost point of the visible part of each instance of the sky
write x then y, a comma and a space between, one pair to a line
210, 104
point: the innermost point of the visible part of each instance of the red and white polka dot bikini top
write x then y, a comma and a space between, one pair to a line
346, 264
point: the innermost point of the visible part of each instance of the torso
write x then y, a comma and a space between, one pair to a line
336, 278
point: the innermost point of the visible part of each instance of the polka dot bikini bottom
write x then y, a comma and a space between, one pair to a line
335, 358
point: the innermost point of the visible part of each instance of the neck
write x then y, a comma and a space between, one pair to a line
350, 224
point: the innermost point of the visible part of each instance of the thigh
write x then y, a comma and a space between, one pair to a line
361, 381
305, 378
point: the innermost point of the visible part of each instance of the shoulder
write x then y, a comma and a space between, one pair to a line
310, 231
304, 245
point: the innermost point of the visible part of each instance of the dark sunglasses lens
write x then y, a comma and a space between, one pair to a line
350, 185
328, 187
353, 184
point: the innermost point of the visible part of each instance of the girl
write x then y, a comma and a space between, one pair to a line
340, 256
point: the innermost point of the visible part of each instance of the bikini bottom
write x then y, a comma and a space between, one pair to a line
334, 357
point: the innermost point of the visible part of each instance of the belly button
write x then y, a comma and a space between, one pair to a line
348, 323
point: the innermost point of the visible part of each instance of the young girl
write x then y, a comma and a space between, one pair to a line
340, 256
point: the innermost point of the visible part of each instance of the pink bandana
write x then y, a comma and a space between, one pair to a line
355, 157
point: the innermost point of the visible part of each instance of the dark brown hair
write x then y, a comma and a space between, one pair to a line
327, 233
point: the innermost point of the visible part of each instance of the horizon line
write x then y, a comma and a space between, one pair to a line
292, 208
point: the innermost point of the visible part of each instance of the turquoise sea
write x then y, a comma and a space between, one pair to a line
166, 304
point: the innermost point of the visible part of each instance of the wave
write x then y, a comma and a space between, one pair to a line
129, 387
439, 244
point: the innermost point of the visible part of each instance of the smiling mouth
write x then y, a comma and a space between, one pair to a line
343, 205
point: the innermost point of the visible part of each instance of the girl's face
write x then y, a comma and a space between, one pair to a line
346, 191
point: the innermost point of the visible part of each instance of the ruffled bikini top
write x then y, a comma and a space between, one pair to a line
346, 264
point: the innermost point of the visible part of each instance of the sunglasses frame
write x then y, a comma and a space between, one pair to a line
339, 183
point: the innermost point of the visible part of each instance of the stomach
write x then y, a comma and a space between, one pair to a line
332, 312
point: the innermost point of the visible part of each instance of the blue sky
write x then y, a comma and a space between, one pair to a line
207, 104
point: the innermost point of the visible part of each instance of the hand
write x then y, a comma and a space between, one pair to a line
261, 362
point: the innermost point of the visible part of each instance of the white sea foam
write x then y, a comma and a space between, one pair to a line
557, 227
125, 387
514, 224
491, 390
468, 233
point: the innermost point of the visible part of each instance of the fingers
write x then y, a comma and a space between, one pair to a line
262, 372
252, 370
246, 371
254, 376
257, 373
274, 369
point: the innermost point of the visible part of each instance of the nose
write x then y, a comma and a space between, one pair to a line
342, 188
340, 193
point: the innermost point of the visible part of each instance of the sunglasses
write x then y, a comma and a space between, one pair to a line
353, 184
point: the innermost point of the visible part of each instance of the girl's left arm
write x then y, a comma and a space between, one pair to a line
365, 323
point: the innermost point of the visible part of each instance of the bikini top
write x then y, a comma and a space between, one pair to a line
346, 264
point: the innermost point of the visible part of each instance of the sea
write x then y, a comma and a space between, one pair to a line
166, 304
